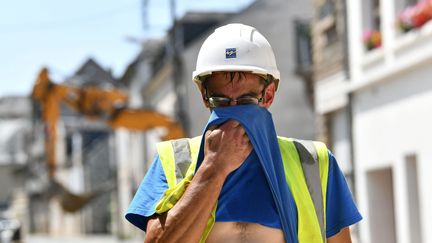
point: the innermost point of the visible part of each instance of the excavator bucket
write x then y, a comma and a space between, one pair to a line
72, 202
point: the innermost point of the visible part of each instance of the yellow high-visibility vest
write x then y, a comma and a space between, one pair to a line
306, 171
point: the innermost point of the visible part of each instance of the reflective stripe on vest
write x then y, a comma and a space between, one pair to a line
310, 165
174, 167
306, 172
305, 184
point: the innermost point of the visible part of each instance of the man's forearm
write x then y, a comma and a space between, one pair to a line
186, 221
344, 236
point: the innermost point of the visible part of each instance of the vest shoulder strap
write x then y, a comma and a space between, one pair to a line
306, 169
311, 169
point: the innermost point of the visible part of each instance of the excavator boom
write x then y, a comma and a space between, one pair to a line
93, 103
142, 120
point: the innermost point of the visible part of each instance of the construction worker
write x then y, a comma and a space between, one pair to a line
239, 182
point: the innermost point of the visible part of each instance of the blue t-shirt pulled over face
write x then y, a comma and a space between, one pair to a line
246, 195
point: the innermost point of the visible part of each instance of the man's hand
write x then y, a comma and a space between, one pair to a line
227, 145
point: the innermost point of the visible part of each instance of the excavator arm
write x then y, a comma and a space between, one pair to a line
93, 103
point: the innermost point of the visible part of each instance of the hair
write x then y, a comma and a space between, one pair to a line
238, 75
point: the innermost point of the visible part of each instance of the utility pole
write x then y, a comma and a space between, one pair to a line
176, 47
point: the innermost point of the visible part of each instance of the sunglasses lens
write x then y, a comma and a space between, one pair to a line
219, 101
247, 101
223, 101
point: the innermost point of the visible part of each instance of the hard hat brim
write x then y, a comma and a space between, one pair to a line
198, 74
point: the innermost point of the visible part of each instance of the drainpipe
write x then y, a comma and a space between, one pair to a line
350, 102
175, 48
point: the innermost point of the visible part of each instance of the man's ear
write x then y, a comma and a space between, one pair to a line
203, 96
269, 94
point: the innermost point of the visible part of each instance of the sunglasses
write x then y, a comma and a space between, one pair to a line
215, 101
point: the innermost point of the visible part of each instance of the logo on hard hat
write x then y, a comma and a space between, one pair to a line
231, 53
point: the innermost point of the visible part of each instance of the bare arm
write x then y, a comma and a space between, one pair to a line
226, 147
344, 236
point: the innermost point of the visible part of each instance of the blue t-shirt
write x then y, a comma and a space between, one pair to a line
248, 184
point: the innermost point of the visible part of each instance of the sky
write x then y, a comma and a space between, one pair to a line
62, 35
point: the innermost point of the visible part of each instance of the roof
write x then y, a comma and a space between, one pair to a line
92, 74
15, 107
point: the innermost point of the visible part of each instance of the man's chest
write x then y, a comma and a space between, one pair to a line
235, 232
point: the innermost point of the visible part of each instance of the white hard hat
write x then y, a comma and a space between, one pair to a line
236, 47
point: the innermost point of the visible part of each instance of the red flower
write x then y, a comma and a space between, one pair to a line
371, 39
415, 16
404, 19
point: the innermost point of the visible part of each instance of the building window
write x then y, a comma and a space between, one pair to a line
380, 194
328, 15
331, 35
376, 17
371, 15
371, 24
410, 2
303, 47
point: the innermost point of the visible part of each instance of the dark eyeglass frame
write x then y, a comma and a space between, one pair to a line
217, 101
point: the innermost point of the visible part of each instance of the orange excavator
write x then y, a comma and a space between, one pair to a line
93, 103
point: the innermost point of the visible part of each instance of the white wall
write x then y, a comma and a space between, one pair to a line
392, 99
392, 121
394, 117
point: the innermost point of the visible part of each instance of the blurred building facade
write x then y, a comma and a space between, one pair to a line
16, 151
86, 162
88, 155
375, 108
